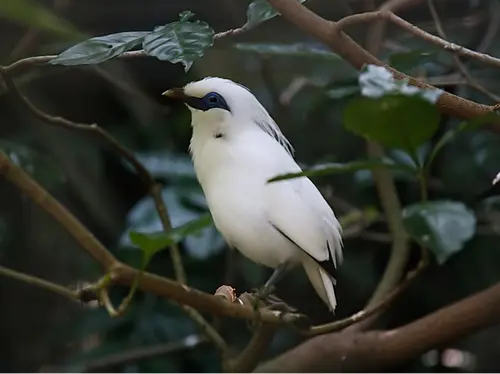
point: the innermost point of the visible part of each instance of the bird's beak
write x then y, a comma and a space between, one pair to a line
176, 94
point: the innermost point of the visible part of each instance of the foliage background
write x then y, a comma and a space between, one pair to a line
43, 332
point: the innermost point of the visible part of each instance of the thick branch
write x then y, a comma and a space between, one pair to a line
379, 351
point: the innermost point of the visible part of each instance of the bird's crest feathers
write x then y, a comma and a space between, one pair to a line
242, 103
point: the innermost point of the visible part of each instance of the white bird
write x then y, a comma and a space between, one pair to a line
236, 148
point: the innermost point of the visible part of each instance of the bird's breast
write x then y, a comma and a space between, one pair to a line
236, 200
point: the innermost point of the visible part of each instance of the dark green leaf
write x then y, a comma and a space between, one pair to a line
259, 11
180, 41
154, 242
289, 50
467, 125
441, 226
33, 14
181, 206
335, 168
99, 49
408, 60
396, 121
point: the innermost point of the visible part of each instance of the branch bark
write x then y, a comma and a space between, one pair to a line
331, 33
379, 350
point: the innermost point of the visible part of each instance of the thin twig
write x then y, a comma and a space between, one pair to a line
370, 311
40, 283
29, 62
459, 64
392, 207
376, 32
389, 200
442, 43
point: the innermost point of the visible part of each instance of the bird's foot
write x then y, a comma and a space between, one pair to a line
262, 295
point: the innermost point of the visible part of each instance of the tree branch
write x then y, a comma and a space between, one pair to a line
458, 63
380, 350
40, 283
85, 238
105, 257
124, 274
371, 310
389, 199
331, 34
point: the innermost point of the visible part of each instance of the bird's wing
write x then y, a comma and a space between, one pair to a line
298, 210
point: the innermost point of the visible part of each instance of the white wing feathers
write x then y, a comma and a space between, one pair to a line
299, 211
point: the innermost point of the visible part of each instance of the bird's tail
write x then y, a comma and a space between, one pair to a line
322, 282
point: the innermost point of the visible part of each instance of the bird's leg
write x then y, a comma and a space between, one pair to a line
277, 274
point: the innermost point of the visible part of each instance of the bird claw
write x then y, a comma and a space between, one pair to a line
271, 301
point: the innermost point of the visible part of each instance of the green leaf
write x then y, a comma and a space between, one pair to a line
154, 242
441, 226
180, 41
396, 120
408, 60
288, 50
99, 49
259, 11
33, 14
467, 125
336, 168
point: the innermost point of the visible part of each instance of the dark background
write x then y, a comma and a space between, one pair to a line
41, 331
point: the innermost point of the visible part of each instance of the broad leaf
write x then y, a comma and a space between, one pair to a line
441, 226
288, 50
32, 14
466, 125
395, 120
144, 218
154, 242
180, 41
335, 168
99, 49
259, 11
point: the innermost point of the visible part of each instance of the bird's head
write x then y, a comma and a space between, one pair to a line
214, 99
223, 105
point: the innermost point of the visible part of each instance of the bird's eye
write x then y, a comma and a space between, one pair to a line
212, 98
